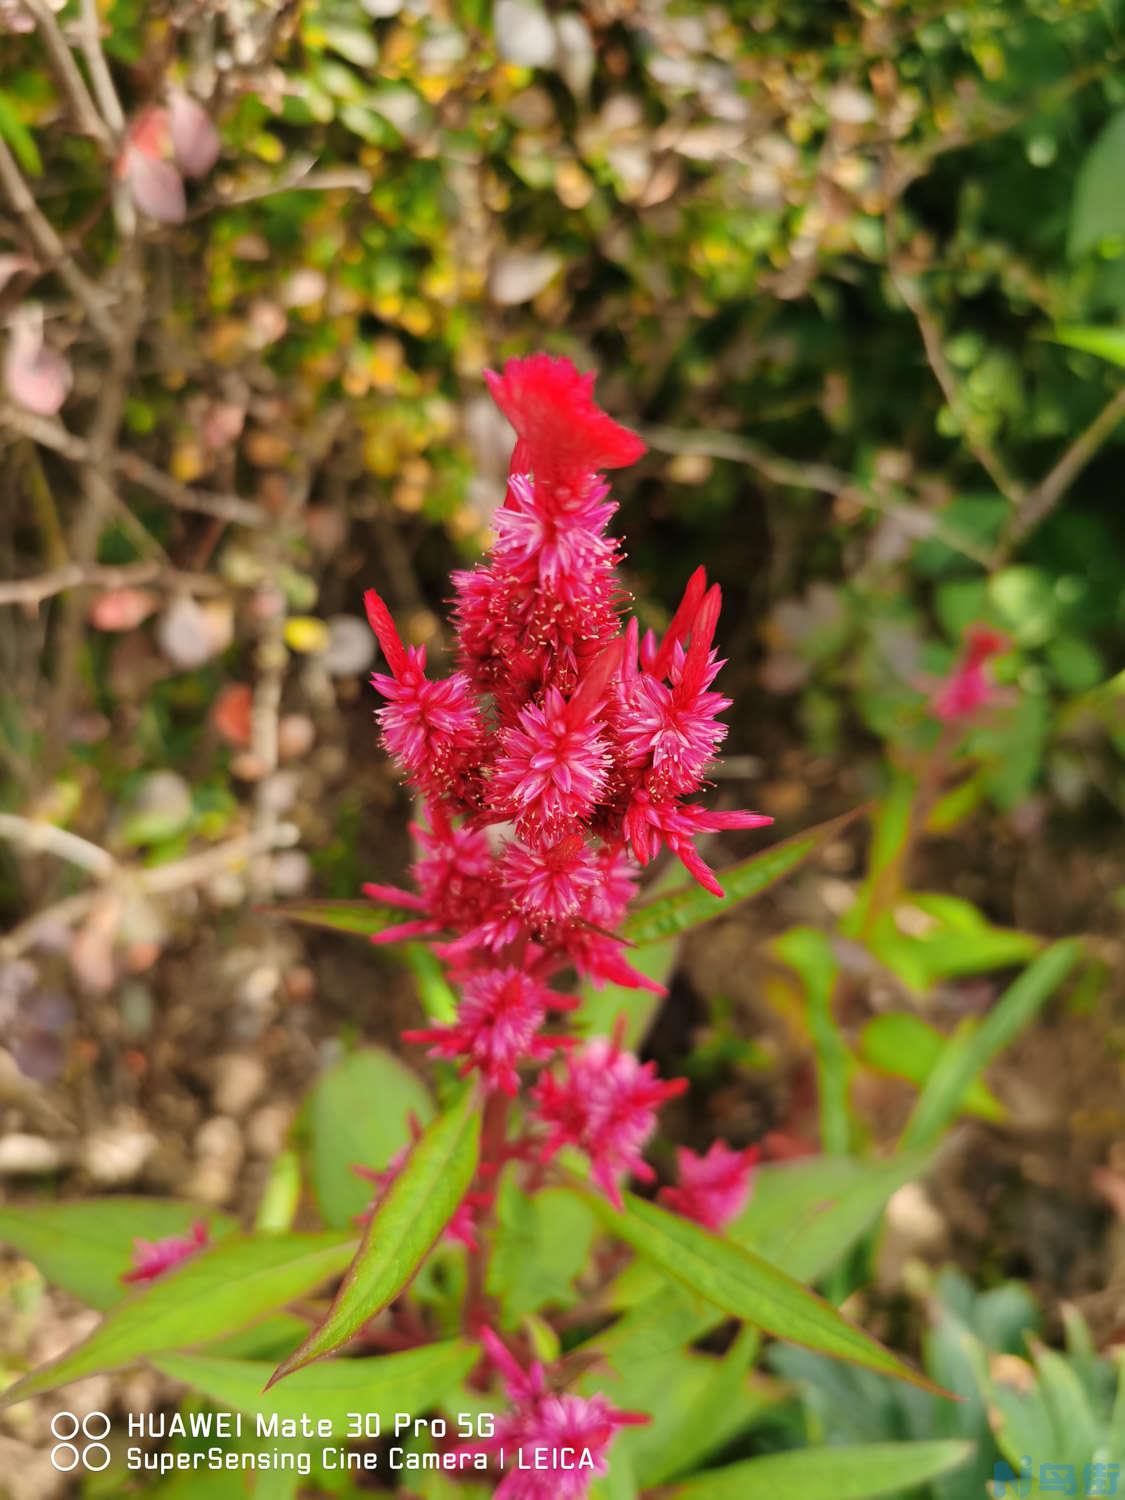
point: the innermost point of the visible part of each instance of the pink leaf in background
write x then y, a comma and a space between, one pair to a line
37, 377
155, 186
195, 141
122, 609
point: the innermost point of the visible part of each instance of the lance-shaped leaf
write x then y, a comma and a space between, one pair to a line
972, 1048
392, 1383
861, 1472
361, 918
216, 1292
86, 1246
691, 906
418, 1205
743, 1285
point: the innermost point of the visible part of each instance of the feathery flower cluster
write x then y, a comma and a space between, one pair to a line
561, 754
152, 1258
543, 1422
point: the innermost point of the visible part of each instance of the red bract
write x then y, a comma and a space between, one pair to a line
152, 1258
715, 1188
556, 1424
576, 745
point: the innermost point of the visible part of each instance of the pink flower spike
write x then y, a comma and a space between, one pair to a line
551, 1423
968, 689
560, 426
152, 1258
715, 1188
551, 770
604, 1104
497, 1026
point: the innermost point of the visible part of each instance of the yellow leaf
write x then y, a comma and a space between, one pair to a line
306, 634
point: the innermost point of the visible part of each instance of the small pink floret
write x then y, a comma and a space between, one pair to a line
152, 1258
713, 1189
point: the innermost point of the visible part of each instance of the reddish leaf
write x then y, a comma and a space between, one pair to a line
155, 186
231, 713
122, 609
37, 377
195, 141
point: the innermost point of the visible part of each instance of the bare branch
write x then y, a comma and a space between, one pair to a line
90, 40
73, 85
47, 839
49, 433
983, 451
161, 880
1046, 495
812, 476
31, 592
49, 246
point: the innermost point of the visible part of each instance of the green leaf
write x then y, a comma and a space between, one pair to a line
359, 1114
705, 1410
216, 1292
84, 1247
19, 138
359, 917
603, 1009
1097, 212
969, 1051
804, 1215
856, 1473
1106, 343
438, 998
407, 1383
409, 1221
540, 1245
902, 1045
691, 905
889, 838
742, 1284
810, 954
929, 937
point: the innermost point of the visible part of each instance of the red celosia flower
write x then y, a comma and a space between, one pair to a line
605, 1104
152, 1258
968, 689
713, 1189
587, 742
550, 1422
497, 1027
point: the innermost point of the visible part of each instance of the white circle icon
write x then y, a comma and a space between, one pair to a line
66, 1455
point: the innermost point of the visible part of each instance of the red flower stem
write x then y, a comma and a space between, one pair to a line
494, 1132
